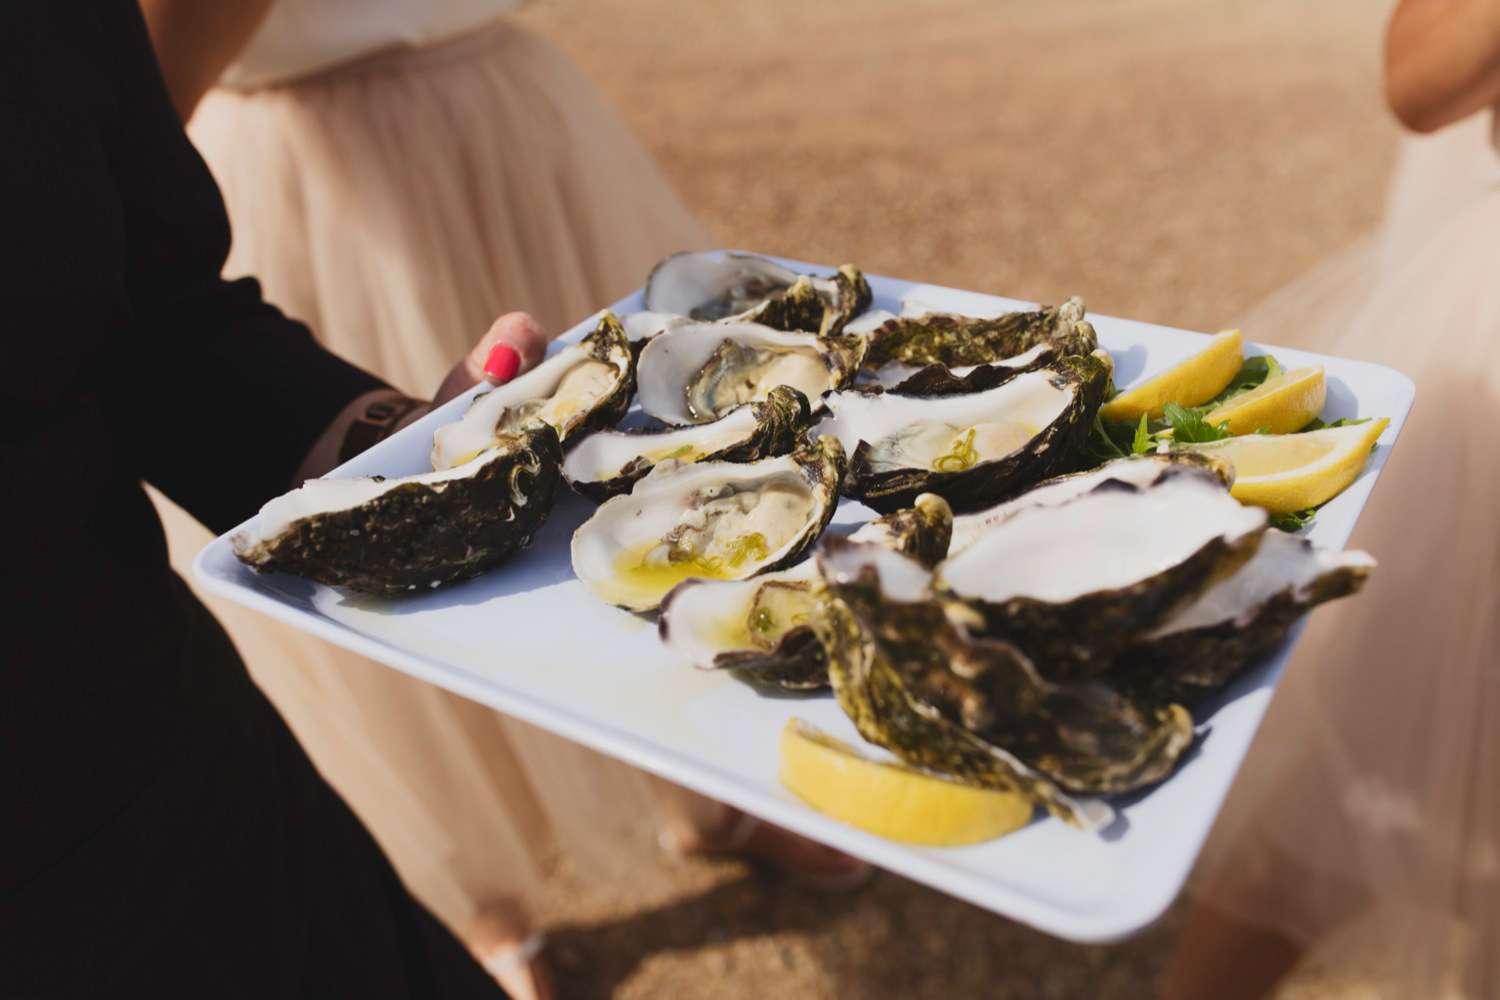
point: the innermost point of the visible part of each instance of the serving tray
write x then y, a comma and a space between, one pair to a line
527, 640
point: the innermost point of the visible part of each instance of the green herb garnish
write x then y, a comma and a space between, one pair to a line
1318, 425
1189, 426
1252, 374
1101, 447
1295, 521
1142, 442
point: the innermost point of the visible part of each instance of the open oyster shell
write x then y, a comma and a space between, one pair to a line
939, 380
1072, 583
764, 625
1086, 737
1140, 470
694, 373
721, 520
954, 340
607, 463
881, 630
578, 389
971, 449
1239, 620
744, 287
394, 536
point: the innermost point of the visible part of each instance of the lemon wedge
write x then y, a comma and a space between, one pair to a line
1191, 383
1284, 404
893, 800
1290, 472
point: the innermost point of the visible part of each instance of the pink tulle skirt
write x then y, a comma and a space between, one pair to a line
398, 206
1366, 822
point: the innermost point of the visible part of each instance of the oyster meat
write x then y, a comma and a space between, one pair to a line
721, 520
392, 537
1072, 583
954, 340
1239, 620
694, 373
578, 389
971, 449
764, 625
606, 463
744, 287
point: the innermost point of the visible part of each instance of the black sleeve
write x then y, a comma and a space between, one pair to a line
220, 394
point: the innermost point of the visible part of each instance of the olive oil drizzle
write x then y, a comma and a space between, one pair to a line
752, 545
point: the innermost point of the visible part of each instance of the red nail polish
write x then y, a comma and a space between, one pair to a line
502, 363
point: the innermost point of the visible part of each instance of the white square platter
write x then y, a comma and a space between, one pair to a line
527, 640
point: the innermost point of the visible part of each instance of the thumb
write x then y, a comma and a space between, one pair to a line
513, 344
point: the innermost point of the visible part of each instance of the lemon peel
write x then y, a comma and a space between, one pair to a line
1192, 382
1285, 473
1281, 405
893, 800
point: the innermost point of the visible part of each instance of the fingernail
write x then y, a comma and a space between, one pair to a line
502, 363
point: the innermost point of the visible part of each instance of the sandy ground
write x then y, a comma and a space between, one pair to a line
1169, 160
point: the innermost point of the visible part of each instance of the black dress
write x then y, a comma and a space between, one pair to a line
161, 833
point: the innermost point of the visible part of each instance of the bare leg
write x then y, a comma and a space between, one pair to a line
693, 824
1222, 958
687, 818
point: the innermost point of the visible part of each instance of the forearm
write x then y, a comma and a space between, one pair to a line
1442, 61
328, 451
196, 40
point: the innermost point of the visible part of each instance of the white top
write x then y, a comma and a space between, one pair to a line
301, 37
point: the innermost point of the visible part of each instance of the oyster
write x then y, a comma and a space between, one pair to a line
1074, 582
971, 449
880, 627
721, 520
693, 373
642, 326
1140, 470
953, 340
1240, 619
578, 389
394, 536
867, 322
939, 380
922, 531
744, 287
606, 463
764, 625
1086, 737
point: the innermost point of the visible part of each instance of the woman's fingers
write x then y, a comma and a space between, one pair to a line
513, 344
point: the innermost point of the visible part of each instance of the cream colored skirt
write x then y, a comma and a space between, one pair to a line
398, 206
1366, 822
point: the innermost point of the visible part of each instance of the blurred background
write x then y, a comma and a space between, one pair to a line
1171, 161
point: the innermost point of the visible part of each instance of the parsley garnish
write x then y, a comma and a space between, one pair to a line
1295, 521
1142, 442
1253, 372
1100, 446
1188, 425
1318, 425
